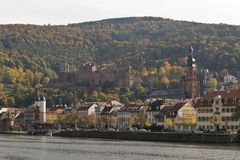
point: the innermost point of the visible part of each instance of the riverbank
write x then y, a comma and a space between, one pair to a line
155, 136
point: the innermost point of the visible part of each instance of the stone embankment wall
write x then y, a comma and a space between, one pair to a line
154, 136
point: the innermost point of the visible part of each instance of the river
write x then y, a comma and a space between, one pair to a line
56, 148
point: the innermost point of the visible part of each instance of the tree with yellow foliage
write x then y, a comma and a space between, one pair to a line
132, 121
169, 123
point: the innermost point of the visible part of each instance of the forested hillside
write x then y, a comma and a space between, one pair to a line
30, 55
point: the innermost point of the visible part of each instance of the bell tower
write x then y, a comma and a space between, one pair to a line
191, 82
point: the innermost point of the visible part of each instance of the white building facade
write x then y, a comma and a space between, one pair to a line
216, 111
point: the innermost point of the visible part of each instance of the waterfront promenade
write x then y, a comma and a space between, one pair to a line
155, 136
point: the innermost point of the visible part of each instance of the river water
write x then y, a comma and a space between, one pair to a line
55, 148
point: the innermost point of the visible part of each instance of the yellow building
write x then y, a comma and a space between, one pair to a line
179, 117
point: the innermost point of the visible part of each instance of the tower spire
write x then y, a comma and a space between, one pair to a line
191, 62
191, 50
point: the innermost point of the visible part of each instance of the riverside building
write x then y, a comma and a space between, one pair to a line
216, 111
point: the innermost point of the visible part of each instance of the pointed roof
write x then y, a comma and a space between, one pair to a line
191, 62
191, 49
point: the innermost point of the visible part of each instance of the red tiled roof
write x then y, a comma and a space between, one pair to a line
131, 107
223, 94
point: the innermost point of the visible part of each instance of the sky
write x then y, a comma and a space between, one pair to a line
76, 11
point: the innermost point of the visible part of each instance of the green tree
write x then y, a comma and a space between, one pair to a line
103, 97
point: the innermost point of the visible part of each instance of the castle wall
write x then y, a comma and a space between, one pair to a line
88, 75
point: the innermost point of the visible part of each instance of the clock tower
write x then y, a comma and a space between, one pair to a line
191, 82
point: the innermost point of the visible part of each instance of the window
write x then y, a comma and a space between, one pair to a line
227, 109
217, 102
226, 101
228, 118
223, 118
199, 119
234, 101
223, 109
209, 102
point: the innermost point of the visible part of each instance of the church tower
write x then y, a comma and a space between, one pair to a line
40, 104
191, 82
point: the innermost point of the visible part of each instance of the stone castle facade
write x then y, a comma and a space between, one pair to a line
89, 75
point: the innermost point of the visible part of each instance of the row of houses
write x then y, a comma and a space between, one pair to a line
217, 110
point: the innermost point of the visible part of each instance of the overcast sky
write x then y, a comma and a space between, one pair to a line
75, 11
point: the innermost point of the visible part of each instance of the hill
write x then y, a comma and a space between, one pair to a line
147, 38
31, 54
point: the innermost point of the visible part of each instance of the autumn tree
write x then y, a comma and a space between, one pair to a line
132, 121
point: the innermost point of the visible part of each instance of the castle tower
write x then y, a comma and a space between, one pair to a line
125, 76
191, 82
40, 104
